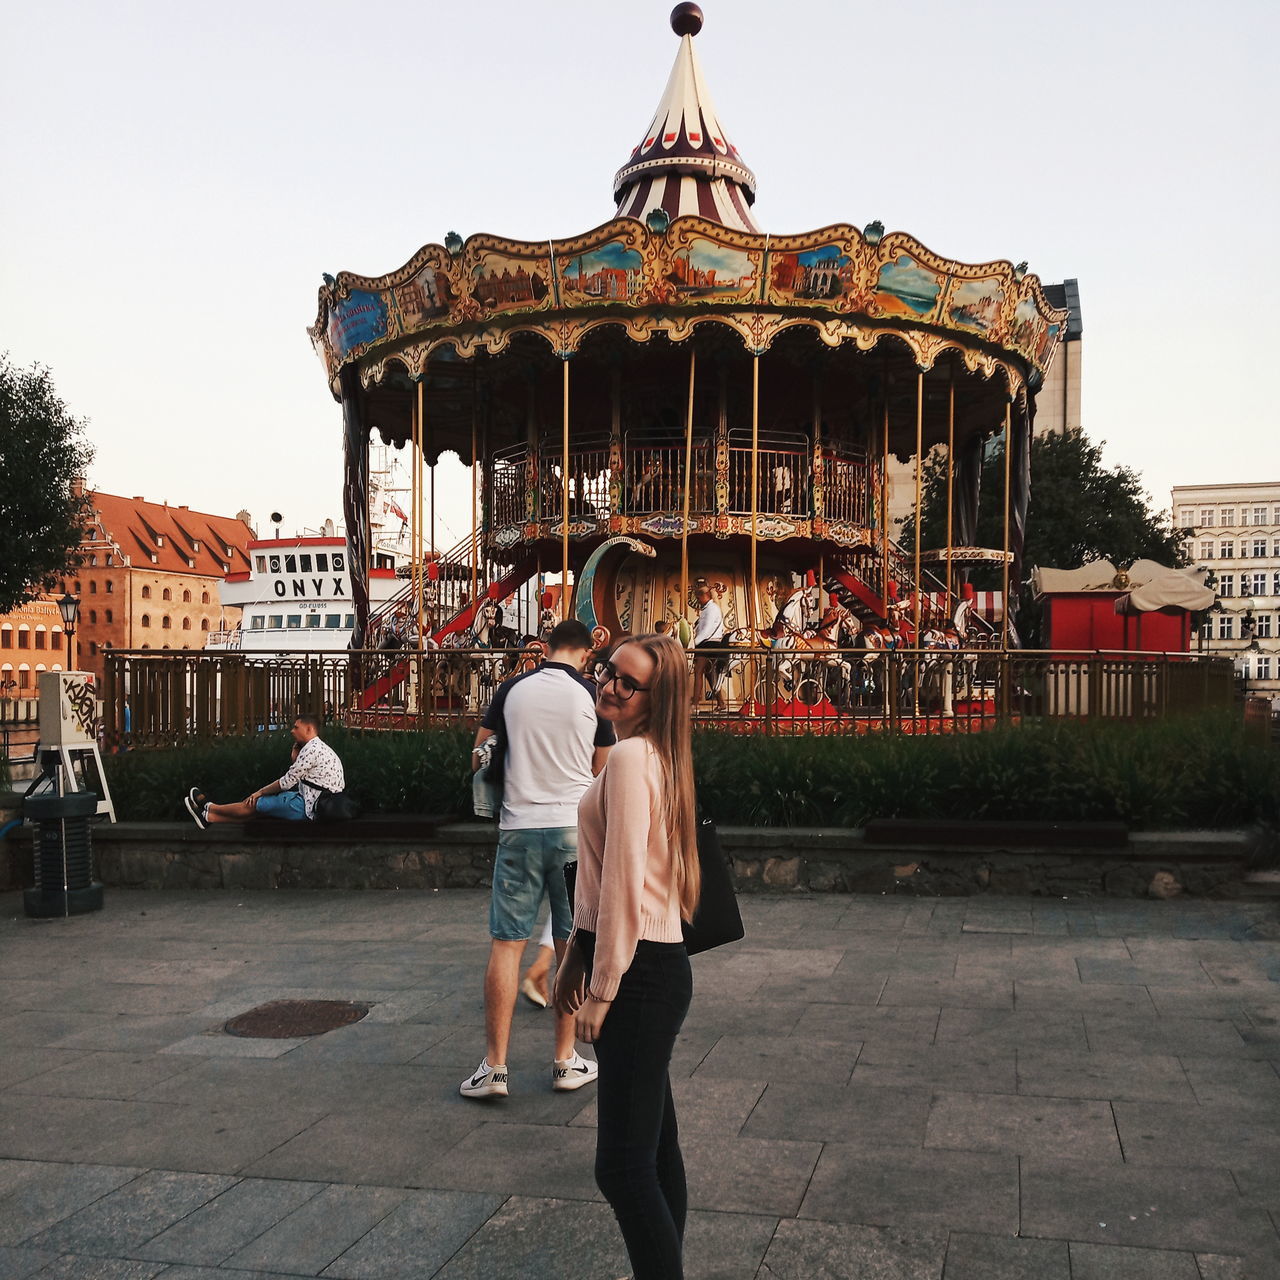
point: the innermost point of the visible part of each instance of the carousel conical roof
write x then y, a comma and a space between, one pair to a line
686, 163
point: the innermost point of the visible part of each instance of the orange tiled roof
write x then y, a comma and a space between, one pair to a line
181, 540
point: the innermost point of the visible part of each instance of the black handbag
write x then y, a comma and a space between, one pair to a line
333, 806
717, 919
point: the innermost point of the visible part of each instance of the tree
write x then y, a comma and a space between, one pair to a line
1079, 511
42, 449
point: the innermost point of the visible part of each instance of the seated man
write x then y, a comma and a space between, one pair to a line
316, 769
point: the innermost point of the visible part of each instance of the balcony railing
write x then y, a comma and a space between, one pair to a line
174, 698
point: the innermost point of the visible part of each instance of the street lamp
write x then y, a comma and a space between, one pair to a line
69, 607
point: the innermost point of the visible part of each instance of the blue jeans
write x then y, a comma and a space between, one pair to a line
530, 863
639, 1167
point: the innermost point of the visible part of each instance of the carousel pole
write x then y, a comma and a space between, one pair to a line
919, 491
1008, 472
564, 501
688, 480
475, 532
755, 485
951, 475
884, 512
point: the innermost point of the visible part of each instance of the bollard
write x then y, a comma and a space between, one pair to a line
63, 848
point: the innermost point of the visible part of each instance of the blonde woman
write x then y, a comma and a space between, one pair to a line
626, 976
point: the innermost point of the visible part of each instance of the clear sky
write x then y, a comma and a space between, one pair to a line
177, 177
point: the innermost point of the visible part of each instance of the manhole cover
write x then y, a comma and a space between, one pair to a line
284, 1019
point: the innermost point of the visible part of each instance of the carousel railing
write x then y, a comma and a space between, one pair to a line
162, 699
588, 483
846, 489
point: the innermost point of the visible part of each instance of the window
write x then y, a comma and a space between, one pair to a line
1259, 515
79, 589
6, 637
304, 564
1259, 584
1275, 547
1206, 548
333, 621
146, 593
166, 594
108, 616
24, 677
1227, 584
111, 586
93, 586
1226, 626
93, 647
322, 558
93, 560
1262, 668
313, 619
1275, 519
24, 636
291, 564
1259, 548
1227, 549
204, 624
186, 624
186, 597
255, 623
165, 623
204, 597
351, 620
40, 637
275, 621
1275, 584
110, 559
1228, 516
260, 563
146, 619
1262, 627
294, 621
93, 615
1206, 518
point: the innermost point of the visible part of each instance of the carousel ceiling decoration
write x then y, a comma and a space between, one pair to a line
685, 251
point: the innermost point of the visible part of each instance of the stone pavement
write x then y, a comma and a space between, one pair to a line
888, 1088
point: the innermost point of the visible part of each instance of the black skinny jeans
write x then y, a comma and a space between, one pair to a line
639, 1167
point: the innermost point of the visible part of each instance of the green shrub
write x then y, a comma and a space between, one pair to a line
1178, 773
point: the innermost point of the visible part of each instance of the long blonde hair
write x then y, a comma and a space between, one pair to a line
667, 727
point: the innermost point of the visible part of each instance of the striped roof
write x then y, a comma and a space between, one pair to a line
686, 163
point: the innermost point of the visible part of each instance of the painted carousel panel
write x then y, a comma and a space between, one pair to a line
907, 289
822, 274
701, 270
358, 320
975, 305
503, 282
610, 273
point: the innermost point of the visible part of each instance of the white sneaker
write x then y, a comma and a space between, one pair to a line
485, 1082
573, 1073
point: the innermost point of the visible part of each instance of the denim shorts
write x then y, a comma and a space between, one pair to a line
529, 864
288, 804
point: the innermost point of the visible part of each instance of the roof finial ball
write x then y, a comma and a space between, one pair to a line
686, 19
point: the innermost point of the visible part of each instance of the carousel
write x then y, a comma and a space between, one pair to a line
678, 400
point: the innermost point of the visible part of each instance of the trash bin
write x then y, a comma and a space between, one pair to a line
63, 847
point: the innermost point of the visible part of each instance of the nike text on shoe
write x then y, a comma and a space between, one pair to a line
195, 802
485, 1082
573, 1073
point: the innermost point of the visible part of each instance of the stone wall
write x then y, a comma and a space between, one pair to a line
178, 855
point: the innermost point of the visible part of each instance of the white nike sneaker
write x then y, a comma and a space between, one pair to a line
573, 1073
485, 1082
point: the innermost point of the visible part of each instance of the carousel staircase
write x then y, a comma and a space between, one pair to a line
459, 616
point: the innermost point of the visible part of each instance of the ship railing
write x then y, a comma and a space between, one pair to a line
158, 699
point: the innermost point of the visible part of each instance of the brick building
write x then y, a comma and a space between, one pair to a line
148, 579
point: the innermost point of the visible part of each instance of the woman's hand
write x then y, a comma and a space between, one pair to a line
571, 981
589, 1019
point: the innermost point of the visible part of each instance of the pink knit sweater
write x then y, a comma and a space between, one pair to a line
625, 888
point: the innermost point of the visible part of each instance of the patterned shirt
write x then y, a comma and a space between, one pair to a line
317, 762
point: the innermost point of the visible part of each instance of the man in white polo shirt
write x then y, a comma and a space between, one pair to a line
553, 744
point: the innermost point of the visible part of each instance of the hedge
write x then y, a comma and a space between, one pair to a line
1193, 772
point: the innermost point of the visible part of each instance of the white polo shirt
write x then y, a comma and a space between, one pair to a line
548, 720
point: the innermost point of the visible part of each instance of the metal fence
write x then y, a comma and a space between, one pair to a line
164, 699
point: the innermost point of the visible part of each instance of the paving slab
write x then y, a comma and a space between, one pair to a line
18, 1264
319, 1231
1208, 1137
1108, 1076
971, 1256
1065, 1128
878, 1117
827, 1251
1105, 1262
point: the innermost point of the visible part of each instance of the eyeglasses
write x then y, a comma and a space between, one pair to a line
627, 687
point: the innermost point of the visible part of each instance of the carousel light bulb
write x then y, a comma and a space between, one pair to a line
658, 220
453, 242
873, 232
